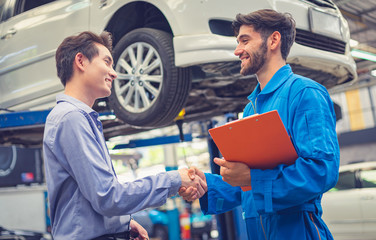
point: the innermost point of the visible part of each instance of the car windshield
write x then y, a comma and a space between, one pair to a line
368, 178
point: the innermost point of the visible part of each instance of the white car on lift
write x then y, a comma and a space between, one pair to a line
349, 209
168, 54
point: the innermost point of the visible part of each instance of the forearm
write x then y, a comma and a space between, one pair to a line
221, 196
131, 197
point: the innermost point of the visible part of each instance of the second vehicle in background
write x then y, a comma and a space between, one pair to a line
349, 209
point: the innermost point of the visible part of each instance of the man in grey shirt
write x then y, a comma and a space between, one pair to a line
86, 199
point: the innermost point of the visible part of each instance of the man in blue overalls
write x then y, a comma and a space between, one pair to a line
285, 202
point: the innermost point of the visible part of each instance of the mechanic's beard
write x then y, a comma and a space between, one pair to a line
256, 61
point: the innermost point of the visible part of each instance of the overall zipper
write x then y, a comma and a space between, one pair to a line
318, 233
262, 225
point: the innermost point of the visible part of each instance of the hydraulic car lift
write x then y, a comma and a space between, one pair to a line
23, 119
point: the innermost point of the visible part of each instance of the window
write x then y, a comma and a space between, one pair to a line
2, 4
3, 12
30, 4
346, 180
368, 178
26, 5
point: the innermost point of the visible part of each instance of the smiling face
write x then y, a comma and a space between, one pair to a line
99, 73
252, 50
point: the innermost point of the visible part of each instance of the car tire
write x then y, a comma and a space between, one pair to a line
150, 90
160, 232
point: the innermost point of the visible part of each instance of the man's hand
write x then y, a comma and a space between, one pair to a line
190, 193
138, 230
234, 173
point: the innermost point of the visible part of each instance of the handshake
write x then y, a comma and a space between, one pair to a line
193, 184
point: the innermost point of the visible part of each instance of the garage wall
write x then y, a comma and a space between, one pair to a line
358, 107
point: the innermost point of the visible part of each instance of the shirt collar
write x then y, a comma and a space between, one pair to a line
66, 98
277, 80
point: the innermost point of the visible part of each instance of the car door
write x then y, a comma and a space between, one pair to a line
29, 39
368, 202
341, 207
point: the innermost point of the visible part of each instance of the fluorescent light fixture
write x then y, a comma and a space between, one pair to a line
106, 116
363, 55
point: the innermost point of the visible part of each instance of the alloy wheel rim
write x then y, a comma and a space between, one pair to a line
140, 77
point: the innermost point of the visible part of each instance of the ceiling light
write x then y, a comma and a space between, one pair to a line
363, 55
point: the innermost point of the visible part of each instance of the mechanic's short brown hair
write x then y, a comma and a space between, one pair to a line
83, 43
267, 21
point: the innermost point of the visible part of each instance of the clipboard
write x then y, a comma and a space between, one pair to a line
260, 141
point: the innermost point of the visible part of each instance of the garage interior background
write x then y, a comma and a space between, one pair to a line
361, 17
356, 129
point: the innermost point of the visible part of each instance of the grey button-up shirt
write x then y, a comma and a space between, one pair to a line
85, 197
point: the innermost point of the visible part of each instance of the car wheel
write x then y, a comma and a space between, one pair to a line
160, 232
149, 90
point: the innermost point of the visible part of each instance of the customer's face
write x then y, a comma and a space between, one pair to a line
251, 49
100, 73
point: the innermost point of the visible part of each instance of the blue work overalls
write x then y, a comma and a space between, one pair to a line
285, 202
